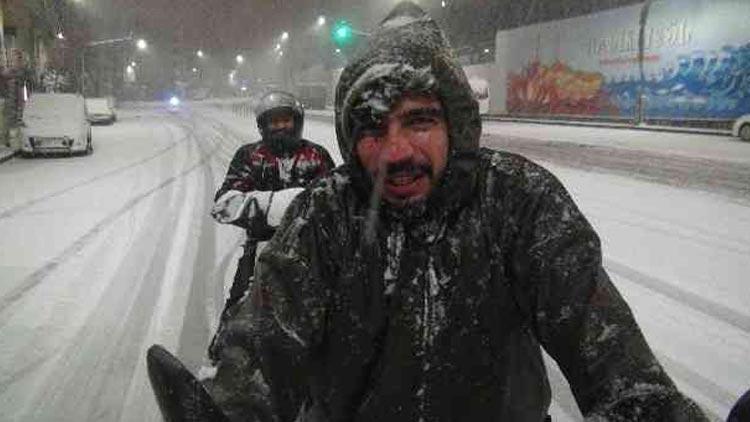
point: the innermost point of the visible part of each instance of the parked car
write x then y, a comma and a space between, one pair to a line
100, 111
741, 128
55, 123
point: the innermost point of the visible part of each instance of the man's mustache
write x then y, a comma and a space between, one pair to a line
408, 168
281, 132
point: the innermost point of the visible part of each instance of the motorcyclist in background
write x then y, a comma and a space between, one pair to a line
262, 179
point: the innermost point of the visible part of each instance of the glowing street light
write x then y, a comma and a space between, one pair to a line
284, 36
240, 59
199, 53
141, 44
342, 33
132, 64
338, 50
278, 47
486, 50
443, 4
243, 89
60, 36
195, 70
281, 53
321, 20
129, 69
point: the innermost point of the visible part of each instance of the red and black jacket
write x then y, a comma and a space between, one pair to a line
259, 167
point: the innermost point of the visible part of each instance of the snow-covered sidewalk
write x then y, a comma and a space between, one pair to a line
692, 145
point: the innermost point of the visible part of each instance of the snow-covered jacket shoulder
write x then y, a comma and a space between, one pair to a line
442, 318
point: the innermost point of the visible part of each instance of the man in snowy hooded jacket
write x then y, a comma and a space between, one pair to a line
421, 279
262, 179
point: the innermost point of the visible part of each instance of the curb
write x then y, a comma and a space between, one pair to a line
8, 157
694, 131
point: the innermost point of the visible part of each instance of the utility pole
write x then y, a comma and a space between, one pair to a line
4, 58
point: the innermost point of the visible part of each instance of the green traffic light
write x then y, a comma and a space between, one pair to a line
342, 33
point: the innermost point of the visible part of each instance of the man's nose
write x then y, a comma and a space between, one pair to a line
398, 147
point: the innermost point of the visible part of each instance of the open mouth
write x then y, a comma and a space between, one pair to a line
402, 179
406, 185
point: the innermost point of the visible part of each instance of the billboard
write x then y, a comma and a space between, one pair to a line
696, 63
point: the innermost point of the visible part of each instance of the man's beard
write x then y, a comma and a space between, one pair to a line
409, 208
283, 140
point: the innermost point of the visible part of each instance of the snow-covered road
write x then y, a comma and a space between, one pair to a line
103, 255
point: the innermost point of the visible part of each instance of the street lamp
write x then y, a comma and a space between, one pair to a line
321, 20
195, 70
140, 43
240, 59
60, 36
199, 53
284, 36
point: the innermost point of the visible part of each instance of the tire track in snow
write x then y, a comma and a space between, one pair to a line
712, 309
15, 209
40, 274
95, 363
102, 363
655, 223
712, 390
196, 329
688, 234
729, 178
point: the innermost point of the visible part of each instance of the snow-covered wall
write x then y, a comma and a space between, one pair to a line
696, 63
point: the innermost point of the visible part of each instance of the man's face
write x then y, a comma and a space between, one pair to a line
407, 155
281, 121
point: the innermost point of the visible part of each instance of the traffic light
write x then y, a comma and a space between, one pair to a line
342, 33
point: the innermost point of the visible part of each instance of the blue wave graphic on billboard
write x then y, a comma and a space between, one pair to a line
713, 85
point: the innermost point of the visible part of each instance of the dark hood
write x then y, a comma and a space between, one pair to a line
408, 50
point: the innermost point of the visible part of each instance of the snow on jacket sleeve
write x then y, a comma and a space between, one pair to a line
237, 182
580, 318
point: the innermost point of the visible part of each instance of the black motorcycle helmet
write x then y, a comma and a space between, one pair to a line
274, 102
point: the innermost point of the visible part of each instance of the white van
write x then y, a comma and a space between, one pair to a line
55, 123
